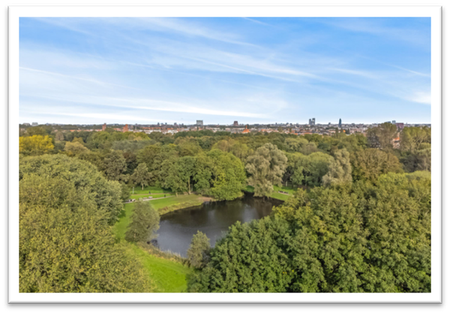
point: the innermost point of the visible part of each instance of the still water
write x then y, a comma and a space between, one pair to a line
213, 219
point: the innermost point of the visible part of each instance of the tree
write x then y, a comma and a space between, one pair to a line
35, 145
382, 136
227, 176
75, 148
59, 136
419, 160
340, 169
266, 168
144, 223
368, 164
309, 170
141, 175
197, 254
411, 138
180, 175
65, 244
106, 194
360, 237
115, 166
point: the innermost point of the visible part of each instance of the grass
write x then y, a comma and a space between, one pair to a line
167, 275
279, 196
170, 204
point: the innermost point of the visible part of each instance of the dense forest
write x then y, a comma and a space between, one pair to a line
359, 220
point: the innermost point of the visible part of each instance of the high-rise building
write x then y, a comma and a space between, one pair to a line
104, 127
34, 124
125, 128
340, 123
236, 123
312, 121
199, 123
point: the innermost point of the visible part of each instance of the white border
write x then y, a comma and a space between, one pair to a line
225, 11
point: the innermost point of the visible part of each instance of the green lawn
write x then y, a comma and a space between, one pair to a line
169, 204
167, 275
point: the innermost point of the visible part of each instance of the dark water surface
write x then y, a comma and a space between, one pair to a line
213, 219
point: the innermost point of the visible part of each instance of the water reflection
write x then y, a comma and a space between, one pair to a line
213, 219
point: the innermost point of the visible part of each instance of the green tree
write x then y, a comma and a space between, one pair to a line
115, 166
340, 169
228, 176
382, 135
74, 148
411, 138
144, 223
65, 244
35, 145
309, 170
141, 175
106, 194
197, 254
266, 168
368, 164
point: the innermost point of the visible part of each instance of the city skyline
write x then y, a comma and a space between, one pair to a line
258, 70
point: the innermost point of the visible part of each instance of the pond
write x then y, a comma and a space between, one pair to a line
213, 219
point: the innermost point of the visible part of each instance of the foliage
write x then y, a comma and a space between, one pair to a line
346, 238
144, 223
382, 135
197, 253
266, 168
141, 175
411, 138
340, 169
65, 244
106, 194
368, 164
35, 145
115, 166
75, 148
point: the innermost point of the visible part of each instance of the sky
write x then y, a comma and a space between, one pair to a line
220, 70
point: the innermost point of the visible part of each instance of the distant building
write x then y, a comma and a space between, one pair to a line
125, 128
394, 122
34, 124
340, 123
235, 123
400, 125
246, 130
26, 124
312, 121
199, 123
104, 127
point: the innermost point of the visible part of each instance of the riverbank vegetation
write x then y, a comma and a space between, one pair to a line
356, 216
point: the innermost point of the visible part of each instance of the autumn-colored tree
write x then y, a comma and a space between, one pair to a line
35, 145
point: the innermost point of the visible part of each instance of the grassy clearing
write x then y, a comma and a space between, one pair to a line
279, 196
167, 275
170, 204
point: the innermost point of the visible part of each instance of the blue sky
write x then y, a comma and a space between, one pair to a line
254, 70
